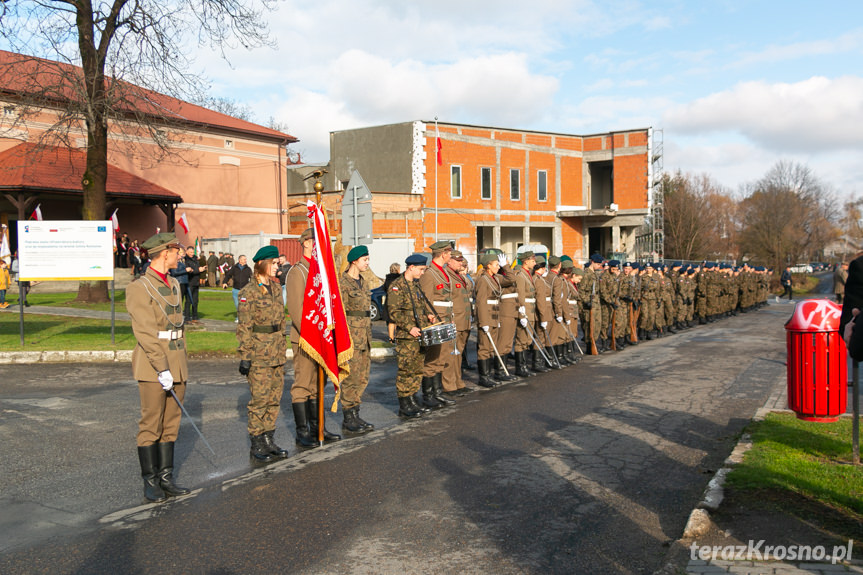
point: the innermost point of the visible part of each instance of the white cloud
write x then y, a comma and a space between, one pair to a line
851, 41
810, 116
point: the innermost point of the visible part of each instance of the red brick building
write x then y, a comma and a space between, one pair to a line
496, 187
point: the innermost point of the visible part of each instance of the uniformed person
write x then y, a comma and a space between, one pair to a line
570, 310
544, 311
508, 316
262, 348
629, 296
357, 299
304, 389
437, 287
487, 302
154, 303
410, 312
526, 302
588, 291
649, 301
557, 332
462, 310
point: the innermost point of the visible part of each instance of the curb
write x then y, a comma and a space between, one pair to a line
123, 355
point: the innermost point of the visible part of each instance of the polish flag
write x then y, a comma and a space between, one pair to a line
37, 213
184, 223
115, 223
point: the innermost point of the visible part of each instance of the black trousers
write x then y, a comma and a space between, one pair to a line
787, 292
190, 301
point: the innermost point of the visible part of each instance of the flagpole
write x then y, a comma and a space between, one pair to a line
319, 187
436, 143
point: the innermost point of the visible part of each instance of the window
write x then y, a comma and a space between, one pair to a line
455, 181
514, 185
541, 186
229, 144
485, 176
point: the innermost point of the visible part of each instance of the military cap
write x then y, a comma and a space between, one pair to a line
160, 242
636, 265
266, 253
613, 263
487, 259
565, 258
690, 271
526, 255
441, 246
307, 234
648, 265
627, 264
457, 255
676, 264
596, 258
577, 271
708, 265
357, 252
540, 259
566, 265
553, 261
415, 260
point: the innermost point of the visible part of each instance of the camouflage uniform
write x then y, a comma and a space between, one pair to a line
261, 336
649, 302
607, 296
407, 309
357, 300
667, 302
628, 296
588, 291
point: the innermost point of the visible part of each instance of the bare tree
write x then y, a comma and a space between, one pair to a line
698, 220
229, 107
108, 62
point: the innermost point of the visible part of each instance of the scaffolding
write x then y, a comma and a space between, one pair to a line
650, 241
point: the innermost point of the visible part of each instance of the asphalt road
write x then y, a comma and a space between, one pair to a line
593, 469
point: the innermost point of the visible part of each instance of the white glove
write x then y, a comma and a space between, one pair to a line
569, 321
521, 310
543, 324
166, 380
485, 328
523, 322
501, 259
559, 319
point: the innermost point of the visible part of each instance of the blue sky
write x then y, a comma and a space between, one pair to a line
734, 85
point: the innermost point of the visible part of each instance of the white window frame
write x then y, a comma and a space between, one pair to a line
543, 187
518, 184
453, 193
490, 183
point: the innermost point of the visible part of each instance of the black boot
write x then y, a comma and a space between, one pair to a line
148, 456
313, 423
555, 363
520, 367
539, 364
305, 440
465, 364
500, 374
573, 353
621, 343
417, 403
563, 354
271, 445
437, 390
351, 425
484, 380
671, 329
259, 450
429, 399
407, 409
166, 470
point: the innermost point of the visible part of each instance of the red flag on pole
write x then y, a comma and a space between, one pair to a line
439, 148
184, 223
37, 213
324, 333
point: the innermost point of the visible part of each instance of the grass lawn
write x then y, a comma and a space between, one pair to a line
212, 303
54, 333
803, 458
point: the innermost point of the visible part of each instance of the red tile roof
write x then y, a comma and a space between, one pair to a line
28, 75
31, 167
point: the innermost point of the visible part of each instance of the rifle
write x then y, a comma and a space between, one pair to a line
613, 334
591, 320
633, 323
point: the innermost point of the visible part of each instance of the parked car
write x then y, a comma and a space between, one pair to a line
801, 269
377, 303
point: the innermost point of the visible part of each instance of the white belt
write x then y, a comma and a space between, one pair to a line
508, 295
529, 300
471, 300
171, 334
572, 301
442, 303
491, 301
548, 299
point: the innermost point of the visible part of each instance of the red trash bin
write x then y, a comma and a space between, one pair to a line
817, 361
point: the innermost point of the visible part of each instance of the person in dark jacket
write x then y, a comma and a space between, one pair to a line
182, 274
785, 280
395, 272
240, 274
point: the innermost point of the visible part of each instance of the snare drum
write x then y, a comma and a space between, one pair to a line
437, 334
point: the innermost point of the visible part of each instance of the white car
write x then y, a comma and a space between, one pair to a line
801, 269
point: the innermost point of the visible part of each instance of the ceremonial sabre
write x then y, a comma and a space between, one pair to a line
575, 341
177, 399
494, 347
551, 349
538, 347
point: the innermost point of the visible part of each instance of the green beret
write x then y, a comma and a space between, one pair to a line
553, 261
307, 234
487, 259
441, 246
357, 252
266, 253
160, 242
565, 258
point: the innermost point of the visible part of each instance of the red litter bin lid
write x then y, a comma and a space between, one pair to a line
815, 315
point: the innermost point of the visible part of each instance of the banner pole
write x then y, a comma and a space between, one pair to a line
21, 307
113, 298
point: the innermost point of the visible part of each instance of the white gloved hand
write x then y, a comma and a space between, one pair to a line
543, 324
569, 321
485, 328
559, 319
523, 322
521, 310
501, 259
166, 380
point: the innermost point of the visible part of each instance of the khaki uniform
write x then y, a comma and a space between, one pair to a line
508, 311
407, 309
357, 299
487, 302
305, 384
437, 285
570, 309
157, 322
556, 331
451, 379
544, 311
261, 335
526, 290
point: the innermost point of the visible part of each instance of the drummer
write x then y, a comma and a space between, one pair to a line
437, 286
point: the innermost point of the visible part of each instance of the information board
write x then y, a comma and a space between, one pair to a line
65, 250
